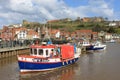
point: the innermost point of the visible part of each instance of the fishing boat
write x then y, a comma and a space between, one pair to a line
96, 46
48, 57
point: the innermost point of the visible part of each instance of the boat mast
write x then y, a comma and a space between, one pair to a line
47, 36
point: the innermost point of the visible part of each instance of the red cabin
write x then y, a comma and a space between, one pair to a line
67, 51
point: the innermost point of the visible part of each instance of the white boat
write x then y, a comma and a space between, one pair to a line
111, 41
96, 46
84, 43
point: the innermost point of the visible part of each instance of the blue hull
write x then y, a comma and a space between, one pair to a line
31, 66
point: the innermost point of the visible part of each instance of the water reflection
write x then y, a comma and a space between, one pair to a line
91, 64
9, 69
6, 61
65, 73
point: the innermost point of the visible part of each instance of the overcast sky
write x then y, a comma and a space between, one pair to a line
14, 11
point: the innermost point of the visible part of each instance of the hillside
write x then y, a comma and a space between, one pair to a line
71, 26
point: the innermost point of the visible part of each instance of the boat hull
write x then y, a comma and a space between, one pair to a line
95, 48
37, 66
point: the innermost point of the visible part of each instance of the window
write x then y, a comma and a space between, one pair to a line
40, 52
35, 51
23, 35
46, 52
31, 51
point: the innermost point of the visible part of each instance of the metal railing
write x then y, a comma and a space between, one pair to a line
14, 44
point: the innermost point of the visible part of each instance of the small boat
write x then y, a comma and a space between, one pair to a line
111, 41
48, 57
96, 46
84, 43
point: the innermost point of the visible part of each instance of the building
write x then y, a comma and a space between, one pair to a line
92, 19
86, 34
53, 21
31, 34
7, 33
114, 24
18, 33
86, 19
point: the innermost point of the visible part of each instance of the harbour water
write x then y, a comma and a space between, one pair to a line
99, 65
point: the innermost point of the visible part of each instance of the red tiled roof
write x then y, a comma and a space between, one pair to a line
94, 33
54, 31
31, 32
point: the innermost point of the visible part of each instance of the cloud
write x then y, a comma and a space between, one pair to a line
100, 7
14, 11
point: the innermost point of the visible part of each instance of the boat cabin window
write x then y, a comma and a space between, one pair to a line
40, 51
46, 52
52, 49
35, 51
31, 51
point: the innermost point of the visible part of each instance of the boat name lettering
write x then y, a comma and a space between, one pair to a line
40, 60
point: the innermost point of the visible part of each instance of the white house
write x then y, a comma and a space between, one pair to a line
108, 36
112, 24
21, 35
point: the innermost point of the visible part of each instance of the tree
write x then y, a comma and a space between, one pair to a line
97, 28
111, 30
80, 26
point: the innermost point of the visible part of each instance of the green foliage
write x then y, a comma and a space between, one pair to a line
97, 28
111, 30
79, 26
57, 26
71, 26
117, 30
70, 29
